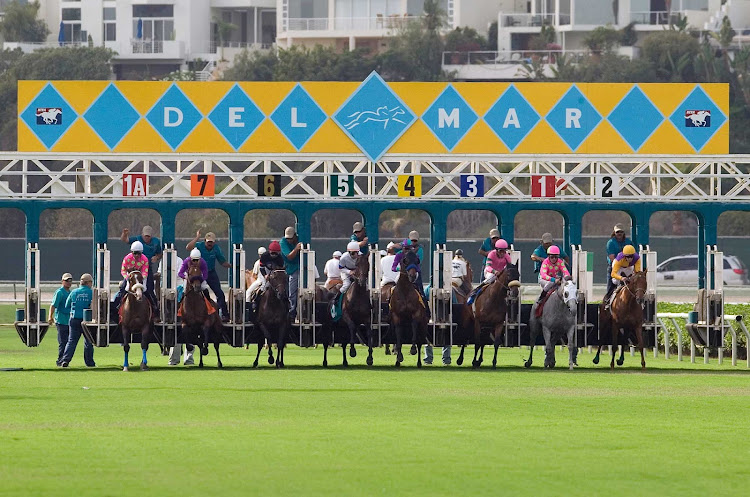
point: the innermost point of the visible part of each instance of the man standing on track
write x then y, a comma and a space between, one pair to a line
211, 253
78, 300
59, 314
290, 249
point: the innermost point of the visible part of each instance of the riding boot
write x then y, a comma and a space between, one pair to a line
541, 296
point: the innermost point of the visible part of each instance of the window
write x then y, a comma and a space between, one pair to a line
72, 31
110, 26
153, 11
689, 264
71, 14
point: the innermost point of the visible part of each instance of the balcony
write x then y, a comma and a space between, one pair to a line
655, 18
28, 47
151, 49
506, 65
377, 23
533, 20
307, 24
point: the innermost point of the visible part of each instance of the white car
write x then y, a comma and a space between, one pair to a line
683, 271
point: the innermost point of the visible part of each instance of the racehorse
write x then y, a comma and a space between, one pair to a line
249, 278
462, 292
490, 309
558, 319
356, 308
626, 316
273, 314
407, 309
135, 317
198, 324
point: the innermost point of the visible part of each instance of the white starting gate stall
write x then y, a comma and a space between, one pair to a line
709, 327
513, 321
96, 325
651, 325
168, 294
31, 321
235, 331
582, 271
307, 326
441, 297
376, 296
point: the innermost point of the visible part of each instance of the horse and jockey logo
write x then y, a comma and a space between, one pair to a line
48, 115
382, 114
698, 118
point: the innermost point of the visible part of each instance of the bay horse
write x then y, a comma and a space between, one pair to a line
273, 314
356, 308
558, 319
624, 316
198, 325
406, 309
135, 317
461, 293
490, 309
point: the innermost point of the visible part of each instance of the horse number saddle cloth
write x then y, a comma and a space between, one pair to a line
334, 306
210, 309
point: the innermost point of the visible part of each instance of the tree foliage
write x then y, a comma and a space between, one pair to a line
464, 39
20, 23
673, 55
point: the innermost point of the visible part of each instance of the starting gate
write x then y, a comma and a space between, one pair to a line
651, 325
513, 322
441, 297
306, 324
33, 326
708, 330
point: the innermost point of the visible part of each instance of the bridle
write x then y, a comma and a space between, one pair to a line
279, 295
641, 299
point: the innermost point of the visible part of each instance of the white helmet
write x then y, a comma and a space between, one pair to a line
261, 250
337, 253
195, 254
136, 247
351, 246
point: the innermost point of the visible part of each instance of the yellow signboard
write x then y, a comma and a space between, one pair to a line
372, 118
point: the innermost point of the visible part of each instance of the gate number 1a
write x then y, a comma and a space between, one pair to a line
134, 185
543, 186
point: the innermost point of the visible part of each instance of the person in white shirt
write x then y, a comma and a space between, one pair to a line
257, 276
174, 352
458, 268
386, 266
332, 271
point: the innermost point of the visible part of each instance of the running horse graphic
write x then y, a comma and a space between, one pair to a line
382, 114
49, 116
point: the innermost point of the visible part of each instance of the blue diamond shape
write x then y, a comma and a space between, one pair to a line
511, 117
174, 116
635, 118
449, 117
111, 116
573, 118
700, 130
298, 117
236, 117
49, 125
374, 117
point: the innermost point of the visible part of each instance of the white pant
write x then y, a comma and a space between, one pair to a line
546, 285
346, 278
489, 277
261, 280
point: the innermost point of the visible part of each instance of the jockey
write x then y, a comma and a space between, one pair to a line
623, 266
458, 269
550, 271
412, 245
347, 264
134, 261
386, 264
269, 261
196, 259
332, 271
496, 261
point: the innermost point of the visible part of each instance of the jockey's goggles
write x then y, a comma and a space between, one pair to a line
553, 256
68, 279
274, 253
353, 254
137, 253
196, 258
619, 232
628, 256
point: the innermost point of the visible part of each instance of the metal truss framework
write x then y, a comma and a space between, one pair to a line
307, 177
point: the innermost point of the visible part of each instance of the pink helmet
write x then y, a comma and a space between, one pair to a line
553, 250
501, 244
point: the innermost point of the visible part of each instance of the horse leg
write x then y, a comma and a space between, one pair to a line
387, 349
257, 356
352, 327
145, 332
533, 332
477, 344
596, 358
267, 336
460, 360
621, 360
344, 363
200, 364
125, 348
572, 347
496, 342
281, 344
369, 345
399, 355
416, 343
639, 337
549, 348
615, 332
218, 357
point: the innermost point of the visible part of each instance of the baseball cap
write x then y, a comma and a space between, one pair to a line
494, 233
547, 238
337, 253
289, 232
67, 276
210, 236
414, 235
618, 227
86, 277
459, 252
147, 231
390, 245
357, 227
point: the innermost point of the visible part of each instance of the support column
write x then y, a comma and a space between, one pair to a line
507, 226
32, 236
168, 220
236, 237
573, 229
371, 218
100, 230
707, 235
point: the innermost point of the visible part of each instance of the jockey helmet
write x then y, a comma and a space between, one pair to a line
501, 244
136, 247
352, 246
195, 254
459, 252
553, 250
274, 246
261, 250
337, 253
628, 250
406, 244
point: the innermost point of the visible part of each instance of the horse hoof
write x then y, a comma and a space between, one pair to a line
204, 350
255, 364
387, 351
460, 361
220, 365
352, 351
494, 365
200, 366
144, 367
596, 360
325, 364
270, 359
419, 365
398, 364
369, 361
527, 364
125, 369
413, 350
570, 368
400, 357
619, 362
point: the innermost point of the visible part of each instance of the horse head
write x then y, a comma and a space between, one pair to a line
135, 283
278, 281
637, 286
195, 277
569, 295
410, 266
361, 271
511, 278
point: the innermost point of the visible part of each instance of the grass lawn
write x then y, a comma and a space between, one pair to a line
678, 429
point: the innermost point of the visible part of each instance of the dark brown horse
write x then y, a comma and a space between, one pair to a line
462, 292
407, 310
273, 314
198, 325
490, 309
135, 317
625, 316
356, 309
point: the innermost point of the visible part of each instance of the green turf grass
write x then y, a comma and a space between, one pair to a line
678, 429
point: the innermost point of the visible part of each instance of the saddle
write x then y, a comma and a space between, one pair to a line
421, 300
540, 307
335, 306
210, 309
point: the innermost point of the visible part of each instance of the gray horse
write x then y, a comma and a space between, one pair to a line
558, 319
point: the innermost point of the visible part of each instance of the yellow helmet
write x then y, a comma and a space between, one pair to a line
628, 250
